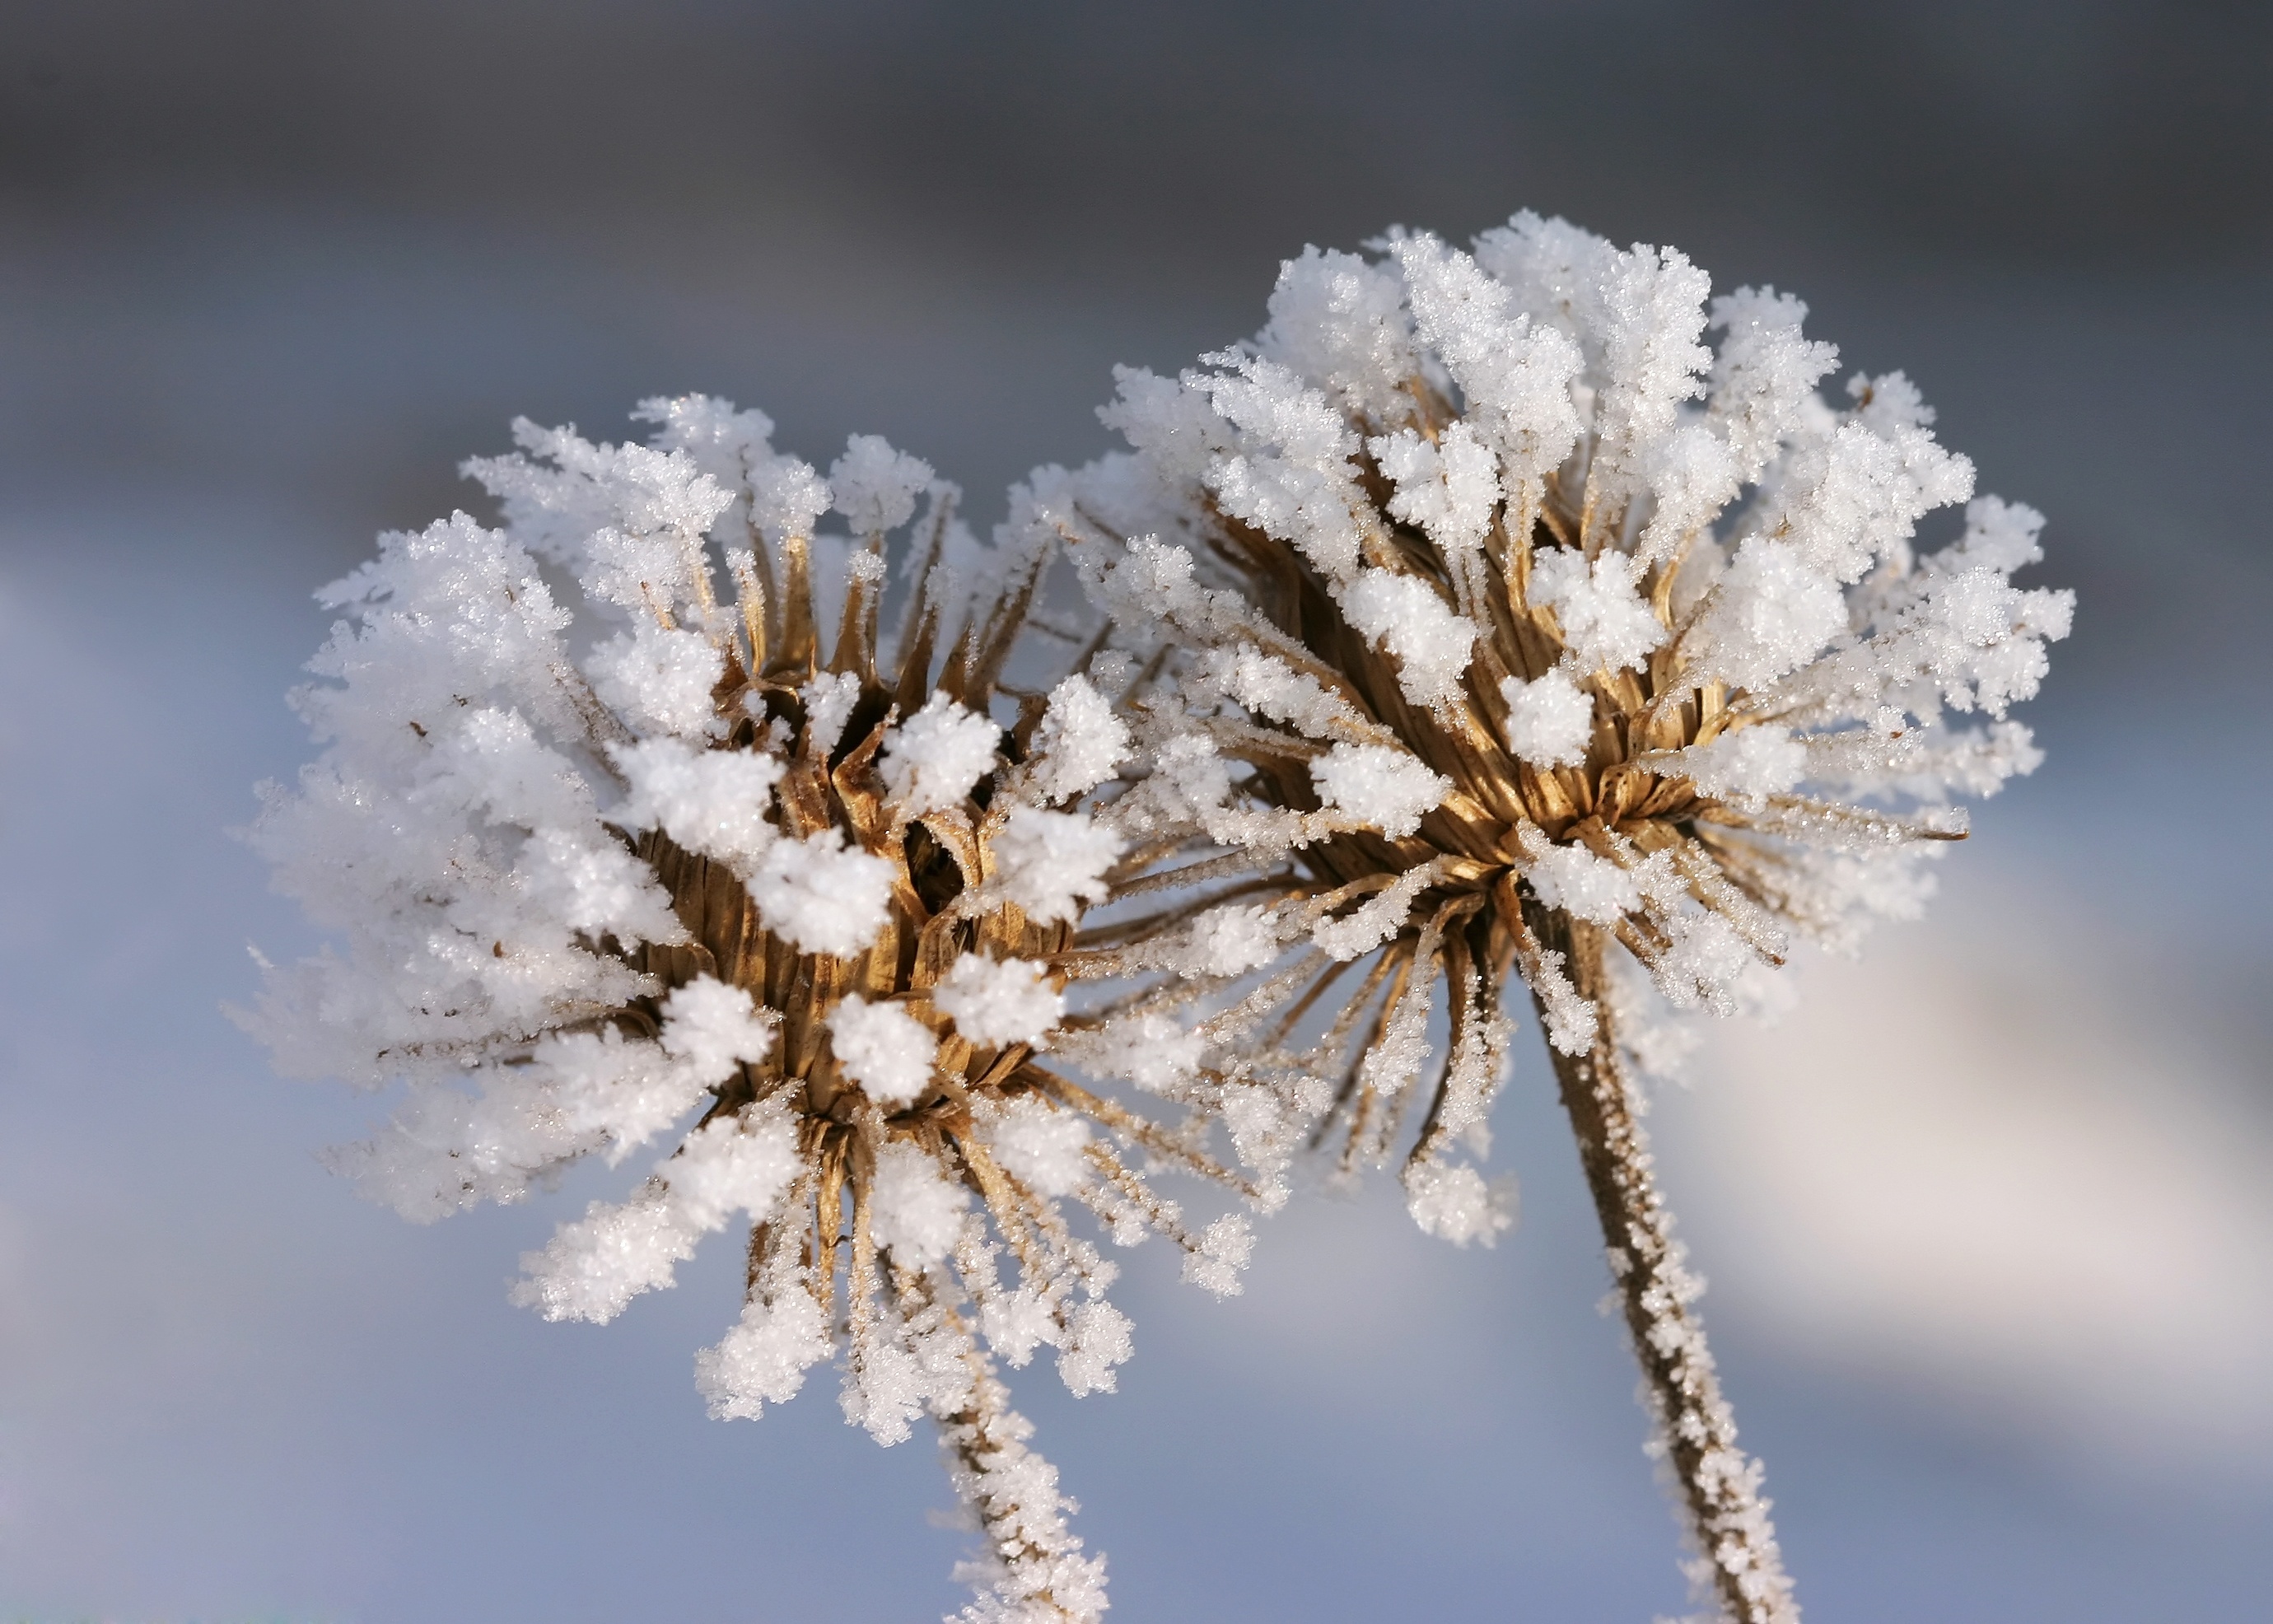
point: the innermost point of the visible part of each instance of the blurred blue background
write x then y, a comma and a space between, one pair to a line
1987, 1217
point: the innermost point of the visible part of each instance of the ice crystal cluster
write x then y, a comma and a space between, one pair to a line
1518, 618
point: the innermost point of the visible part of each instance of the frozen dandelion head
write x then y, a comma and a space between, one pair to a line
1550, 600
1526, 615
638, 839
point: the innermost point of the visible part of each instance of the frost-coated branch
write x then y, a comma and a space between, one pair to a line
1030, 1569
1738, 1566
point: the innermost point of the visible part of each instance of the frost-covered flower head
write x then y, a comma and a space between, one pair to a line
1526, 614
693, 867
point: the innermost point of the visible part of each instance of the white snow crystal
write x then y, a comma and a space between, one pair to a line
1380, 785
1052, 863
875, 487
931, 759
1340, 322
1449, 488
786, 497
1772, 611
625, 1090
1380, 918
742, 1163
658, 680
1147, 1048
1746, 762
1550, 720
711, 801
912, 1210
713, 1028
763, 1359
824, 895
1404, 615
1224, 1248
1042, 1147
996, 1002
1097, 1340
828, 700
1765, 373
1515, 373
1453, 1202
591, 883
1231, 941
592, 1268
1581, 883
884, 1049
1295, 480
1080, 741
1605, 624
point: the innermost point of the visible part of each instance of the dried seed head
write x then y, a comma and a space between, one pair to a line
703, 869
1520, 634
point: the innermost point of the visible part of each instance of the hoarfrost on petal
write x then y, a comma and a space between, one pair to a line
933, 759
824, 895
1404, 615
1379, 785
763, 1359
1042, 1147
1052, 863
884, 1049
913, 1211
1550, 720
997, 1002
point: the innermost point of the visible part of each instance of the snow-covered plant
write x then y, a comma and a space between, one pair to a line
631, 835
1492, 625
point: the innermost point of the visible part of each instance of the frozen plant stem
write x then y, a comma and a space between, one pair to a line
1717, 1484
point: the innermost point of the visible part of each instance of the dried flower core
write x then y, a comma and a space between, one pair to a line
945, 910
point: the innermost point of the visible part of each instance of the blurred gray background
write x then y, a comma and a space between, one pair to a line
1987, 1218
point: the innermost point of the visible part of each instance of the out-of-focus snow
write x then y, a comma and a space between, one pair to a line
1999, 1157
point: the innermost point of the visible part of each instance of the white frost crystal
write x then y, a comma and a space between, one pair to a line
884, 1049
1549, 719
1043, 1147
1080, 742
916, 1213
711, 801
1604, 623
1454, 1203
875, 487
1009, 1002
1052, 863
932, 760
1404, 615
1386, 787
821, 895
